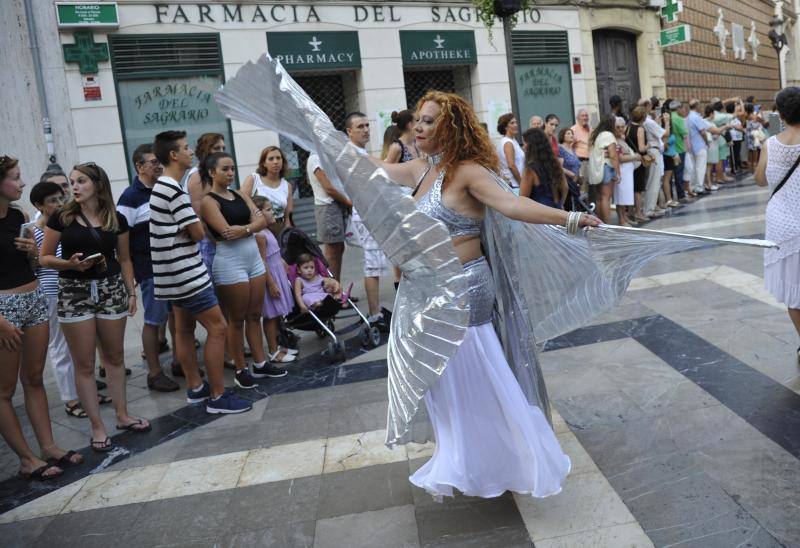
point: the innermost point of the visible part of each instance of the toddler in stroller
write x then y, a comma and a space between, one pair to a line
317, 305
311, 289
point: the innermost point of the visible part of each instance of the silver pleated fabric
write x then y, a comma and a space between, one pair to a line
431, 311
547, 281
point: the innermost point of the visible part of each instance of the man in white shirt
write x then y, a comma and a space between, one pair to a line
375, 261
331, 209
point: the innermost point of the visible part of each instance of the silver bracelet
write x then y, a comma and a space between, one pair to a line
573, 222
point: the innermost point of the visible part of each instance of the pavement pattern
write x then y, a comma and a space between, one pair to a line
680, 410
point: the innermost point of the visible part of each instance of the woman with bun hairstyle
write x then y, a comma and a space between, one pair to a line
512, 158
402, 146
779, 168
269, 181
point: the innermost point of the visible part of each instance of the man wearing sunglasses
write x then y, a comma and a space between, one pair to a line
134, 204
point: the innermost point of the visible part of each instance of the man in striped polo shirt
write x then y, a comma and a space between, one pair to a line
181, 277
134, 205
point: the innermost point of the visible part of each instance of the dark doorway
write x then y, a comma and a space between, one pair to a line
617, 67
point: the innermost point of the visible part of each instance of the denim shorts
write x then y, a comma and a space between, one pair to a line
237, 261
199, 302
156, 312
608, 174
81, 300
25, 309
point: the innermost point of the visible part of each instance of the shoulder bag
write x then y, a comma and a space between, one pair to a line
100, 265
786, 177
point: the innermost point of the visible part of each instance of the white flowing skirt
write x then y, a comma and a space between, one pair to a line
489, 439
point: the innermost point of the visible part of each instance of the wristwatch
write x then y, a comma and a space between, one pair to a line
247, 228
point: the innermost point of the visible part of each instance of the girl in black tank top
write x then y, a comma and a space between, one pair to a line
235, 211
24, 335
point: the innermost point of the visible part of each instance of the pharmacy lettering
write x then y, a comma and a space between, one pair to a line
173, 103
438, 47
303, 51
540, 82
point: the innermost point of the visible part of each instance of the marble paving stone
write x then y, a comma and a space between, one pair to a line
290, 535
202, 475
186, 520
345, 395
300, 402
99, 527
469, 521
118, 488
20, 535
359, 451
257, 507
293, 428
581, 461
363, 490
587, 502
628, 535
283, 462
560, 426
421, 450
394, 527
357, 418
160, 454
47, 505
695, 511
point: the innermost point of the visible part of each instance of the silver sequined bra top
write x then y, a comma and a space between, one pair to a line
432, 205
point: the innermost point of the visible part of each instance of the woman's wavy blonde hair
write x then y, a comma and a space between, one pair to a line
105, 201
462, 136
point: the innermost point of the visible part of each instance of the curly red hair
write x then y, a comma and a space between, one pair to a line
463, 137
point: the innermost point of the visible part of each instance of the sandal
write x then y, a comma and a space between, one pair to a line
132, 427
291, 351
66, 460
102, 399
102, 446
39, 473
75, 410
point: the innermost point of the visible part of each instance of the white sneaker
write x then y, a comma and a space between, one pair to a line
714, 187
287, 358
292, 351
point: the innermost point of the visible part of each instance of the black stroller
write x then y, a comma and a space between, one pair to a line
295, 242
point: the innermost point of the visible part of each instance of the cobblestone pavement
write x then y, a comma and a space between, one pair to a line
680, 410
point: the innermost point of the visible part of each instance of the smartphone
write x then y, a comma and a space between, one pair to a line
26, 230
92, 257
757, 108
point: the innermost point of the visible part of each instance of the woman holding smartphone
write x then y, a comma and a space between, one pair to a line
23, 337
95, 291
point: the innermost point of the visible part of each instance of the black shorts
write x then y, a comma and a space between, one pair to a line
669, 163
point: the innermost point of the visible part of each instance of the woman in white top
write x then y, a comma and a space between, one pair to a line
779, 156
512, 158
268, 181
604, 166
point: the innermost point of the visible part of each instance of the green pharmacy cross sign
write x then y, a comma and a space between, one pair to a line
85, 51
671, 10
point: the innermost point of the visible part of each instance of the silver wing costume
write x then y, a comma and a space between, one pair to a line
547, 281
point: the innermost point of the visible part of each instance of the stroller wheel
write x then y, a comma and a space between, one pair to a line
374, 336
365, 338
340, 350
320, 333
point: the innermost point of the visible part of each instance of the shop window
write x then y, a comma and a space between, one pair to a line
167, 82
543, 74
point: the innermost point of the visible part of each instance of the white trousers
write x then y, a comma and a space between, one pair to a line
698, 171
60, 358
654, 174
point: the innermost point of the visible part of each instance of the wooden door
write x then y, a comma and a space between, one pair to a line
616, 67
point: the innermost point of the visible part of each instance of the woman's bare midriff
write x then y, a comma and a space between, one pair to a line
468, 248
27, 288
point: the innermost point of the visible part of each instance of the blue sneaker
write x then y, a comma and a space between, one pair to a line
199, 395
228, 404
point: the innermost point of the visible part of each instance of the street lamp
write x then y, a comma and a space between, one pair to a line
506, 9
777, 36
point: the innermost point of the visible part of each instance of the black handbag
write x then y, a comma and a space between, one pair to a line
786, 177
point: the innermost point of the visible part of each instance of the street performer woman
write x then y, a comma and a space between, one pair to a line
489, 439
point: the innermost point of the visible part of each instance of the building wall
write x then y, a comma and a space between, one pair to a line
699, 69
379, 82
638, 20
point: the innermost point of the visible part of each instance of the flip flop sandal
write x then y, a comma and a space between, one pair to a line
132, 427
292, 351
102, 446
75, 410
66, 460
38, 474
104, 400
